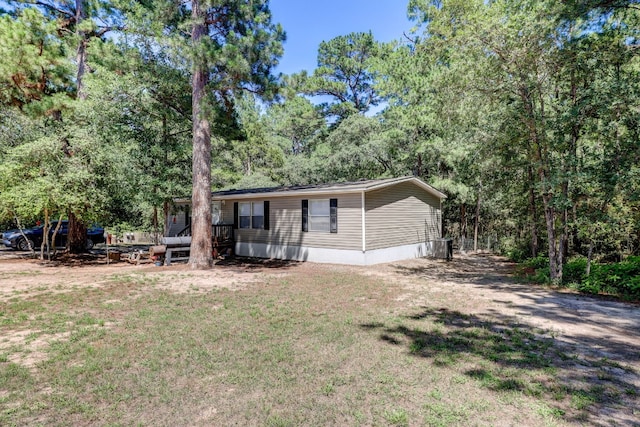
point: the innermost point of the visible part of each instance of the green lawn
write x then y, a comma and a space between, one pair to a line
326, 347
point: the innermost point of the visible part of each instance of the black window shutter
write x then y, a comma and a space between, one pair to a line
333, 212
235, 215
265, 223
305, 215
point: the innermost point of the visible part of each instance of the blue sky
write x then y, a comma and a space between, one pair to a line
309, 22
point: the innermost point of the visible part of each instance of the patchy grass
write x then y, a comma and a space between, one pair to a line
315, 347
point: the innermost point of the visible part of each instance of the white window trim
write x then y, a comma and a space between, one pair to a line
251, 215
328, 216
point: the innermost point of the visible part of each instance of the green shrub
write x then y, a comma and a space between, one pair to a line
574, 271
537, 262
543, 275
535, 270
517, 254
632, 287
589, 287
516, 251
621, 279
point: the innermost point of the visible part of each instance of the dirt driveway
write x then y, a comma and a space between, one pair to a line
485, 285
600, 338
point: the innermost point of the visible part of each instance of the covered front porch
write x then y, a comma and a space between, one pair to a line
178, 245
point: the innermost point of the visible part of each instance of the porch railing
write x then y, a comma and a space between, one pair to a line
219, 232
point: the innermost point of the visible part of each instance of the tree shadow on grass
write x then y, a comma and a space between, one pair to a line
456, 335
601, 326
504, 355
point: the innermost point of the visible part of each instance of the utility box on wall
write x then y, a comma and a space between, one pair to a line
442, 248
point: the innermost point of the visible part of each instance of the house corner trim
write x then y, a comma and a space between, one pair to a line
364, 223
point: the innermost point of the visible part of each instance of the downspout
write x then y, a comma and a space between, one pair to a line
364, 225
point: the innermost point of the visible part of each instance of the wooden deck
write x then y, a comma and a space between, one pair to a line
223, 243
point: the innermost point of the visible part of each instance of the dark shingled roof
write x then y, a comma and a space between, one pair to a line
336, 185
346, 187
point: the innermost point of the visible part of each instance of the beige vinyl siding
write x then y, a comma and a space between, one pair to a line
400, 215
285, 228
227, 212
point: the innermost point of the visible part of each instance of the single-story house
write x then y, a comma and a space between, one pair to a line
361, 223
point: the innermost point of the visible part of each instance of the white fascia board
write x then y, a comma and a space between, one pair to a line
311, 192
332, 191
290, 193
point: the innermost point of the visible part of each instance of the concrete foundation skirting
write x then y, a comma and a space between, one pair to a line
334, 256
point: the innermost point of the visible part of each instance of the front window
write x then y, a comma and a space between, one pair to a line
319, 215
257, 215
251, 215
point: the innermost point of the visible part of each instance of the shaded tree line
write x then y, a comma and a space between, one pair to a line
525, 113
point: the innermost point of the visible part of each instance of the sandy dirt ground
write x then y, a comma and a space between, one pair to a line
601, 335
602, 327
588, 328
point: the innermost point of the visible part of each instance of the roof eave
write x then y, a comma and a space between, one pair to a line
324, 191
288, 193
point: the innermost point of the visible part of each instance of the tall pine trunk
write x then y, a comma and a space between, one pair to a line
549, 216
77, 235
81, 53
533, 212
200, 254
463, 226
476, 224
538, 151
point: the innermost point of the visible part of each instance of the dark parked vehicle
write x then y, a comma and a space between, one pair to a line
7, 233
16, 239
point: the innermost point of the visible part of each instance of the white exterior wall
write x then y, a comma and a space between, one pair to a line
333, 256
